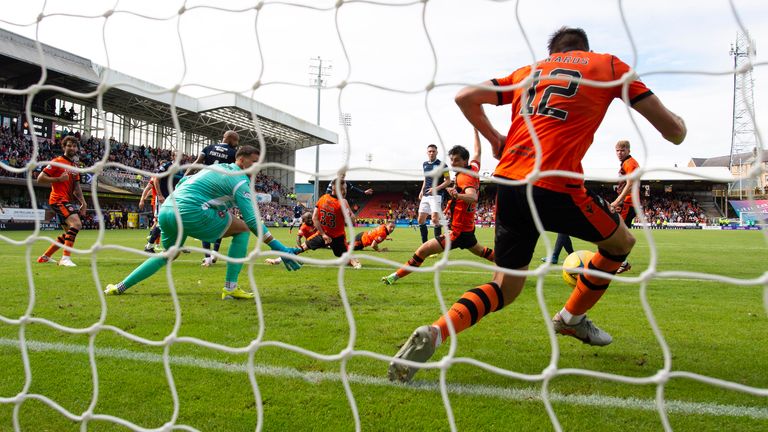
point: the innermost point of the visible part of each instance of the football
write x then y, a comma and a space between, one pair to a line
576, 260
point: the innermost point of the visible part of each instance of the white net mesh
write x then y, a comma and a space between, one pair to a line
380, 71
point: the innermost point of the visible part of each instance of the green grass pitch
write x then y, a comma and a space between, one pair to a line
712, 328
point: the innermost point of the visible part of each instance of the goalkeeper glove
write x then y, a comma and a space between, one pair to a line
289, 264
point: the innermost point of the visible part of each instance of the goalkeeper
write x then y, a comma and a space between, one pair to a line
203, 201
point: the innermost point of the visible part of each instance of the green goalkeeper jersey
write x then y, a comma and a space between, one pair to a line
210, 191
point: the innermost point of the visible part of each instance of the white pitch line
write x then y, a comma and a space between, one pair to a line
519, 395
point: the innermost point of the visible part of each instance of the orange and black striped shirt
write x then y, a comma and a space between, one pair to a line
62, 192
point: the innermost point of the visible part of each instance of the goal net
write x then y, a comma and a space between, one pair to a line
311, 351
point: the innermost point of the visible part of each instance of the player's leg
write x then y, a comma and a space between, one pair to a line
627, 215
422, 222
588, 218
240, 234
154, 237
74, 226
482, 251
466, 312
170, 232
515, 242
432, 246
62, 213
207, 258
215, 248
437, 211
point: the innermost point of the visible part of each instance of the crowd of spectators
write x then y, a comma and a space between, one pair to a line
672, 208
16, 151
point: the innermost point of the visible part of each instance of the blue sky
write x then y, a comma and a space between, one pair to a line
372, 46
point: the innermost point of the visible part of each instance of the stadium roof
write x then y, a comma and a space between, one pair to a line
708, 174
20, 67
723, 161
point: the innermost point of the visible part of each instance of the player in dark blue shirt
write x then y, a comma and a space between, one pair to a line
430, 205
163, 189
223, 152
298, 211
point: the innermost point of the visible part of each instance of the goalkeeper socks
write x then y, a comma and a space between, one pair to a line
237, 249
423, 230
438, 231
54, 247
415, 261
589, 288
121, 288
471, 308
69, 239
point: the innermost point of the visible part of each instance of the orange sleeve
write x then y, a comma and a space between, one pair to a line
53, 171
506, 97
637, 90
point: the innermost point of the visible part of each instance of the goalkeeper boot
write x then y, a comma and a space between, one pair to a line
66, 261
112, 290
46, 259
390, 280
235, 294
418, 348
584, 331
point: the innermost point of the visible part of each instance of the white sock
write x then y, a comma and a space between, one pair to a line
230, 286
439, 338
570, 318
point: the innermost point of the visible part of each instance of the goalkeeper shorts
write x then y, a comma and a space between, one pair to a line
207, 225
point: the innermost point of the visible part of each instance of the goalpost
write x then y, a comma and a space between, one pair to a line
258, 53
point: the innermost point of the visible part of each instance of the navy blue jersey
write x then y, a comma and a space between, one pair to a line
428, 168
219, 153
165, 166
298, 210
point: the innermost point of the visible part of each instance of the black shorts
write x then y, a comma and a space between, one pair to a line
459, 240
338, 244
580, 214
359, 242
63, 210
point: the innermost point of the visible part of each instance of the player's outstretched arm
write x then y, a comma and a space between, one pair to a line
670, 125
478, 149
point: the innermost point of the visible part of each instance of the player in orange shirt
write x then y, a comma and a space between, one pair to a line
151, 191
564, 112
460, 212
66, 200
328, 219
623, 203
374, 237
